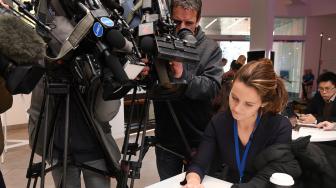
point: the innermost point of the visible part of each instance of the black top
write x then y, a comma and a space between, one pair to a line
193, 109
219, 138
316, 106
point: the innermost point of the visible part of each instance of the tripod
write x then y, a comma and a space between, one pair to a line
132, 168
63, 88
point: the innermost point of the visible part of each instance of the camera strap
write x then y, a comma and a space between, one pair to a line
76, 36
42, 10
132, 10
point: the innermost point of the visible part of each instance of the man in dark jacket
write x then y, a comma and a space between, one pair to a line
194, 107
323, 105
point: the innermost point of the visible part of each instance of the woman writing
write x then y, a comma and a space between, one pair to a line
250, 125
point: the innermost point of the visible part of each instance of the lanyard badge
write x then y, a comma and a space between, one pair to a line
241, 163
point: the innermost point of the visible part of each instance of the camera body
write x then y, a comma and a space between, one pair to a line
166, 44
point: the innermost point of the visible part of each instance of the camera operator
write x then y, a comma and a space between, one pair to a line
194, 108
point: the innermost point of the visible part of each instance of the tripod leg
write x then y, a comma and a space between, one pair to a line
66, 136
29, 173
44, 154
178, 125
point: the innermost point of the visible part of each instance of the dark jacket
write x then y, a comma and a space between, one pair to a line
317, 161
193, 109
315, 107
310, 164
276, 158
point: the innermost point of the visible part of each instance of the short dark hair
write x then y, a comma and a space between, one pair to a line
327, 76
189, 4
235, 66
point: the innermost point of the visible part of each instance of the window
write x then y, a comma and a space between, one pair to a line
225, 25
287, 64
232, 33
289, 26
232, 49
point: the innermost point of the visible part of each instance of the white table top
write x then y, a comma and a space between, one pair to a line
317, 135
174, 182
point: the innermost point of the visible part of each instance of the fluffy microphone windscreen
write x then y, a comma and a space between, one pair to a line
19, 42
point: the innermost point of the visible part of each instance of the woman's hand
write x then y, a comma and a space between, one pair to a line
326, 125
146, 69
193, 181
191, 185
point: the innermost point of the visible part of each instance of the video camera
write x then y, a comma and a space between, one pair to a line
159, 39
103, 49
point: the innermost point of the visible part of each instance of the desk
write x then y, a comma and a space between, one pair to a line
174, 182
317, 135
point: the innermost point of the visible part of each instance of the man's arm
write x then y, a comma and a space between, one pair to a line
206, 85
311, 111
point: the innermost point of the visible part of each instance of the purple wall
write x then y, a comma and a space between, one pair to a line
283, 7
316, 25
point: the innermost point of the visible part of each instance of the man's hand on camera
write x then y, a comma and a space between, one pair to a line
146, 69
176, 68
4, 4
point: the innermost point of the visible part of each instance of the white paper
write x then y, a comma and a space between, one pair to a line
307, 124
132, 70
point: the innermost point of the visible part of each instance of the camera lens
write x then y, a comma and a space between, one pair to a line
186, 34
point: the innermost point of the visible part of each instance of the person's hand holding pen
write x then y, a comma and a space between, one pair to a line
306, 118
3, 4
327, 126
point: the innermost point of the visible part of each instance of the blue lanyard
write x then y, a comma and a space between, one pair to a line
241, 163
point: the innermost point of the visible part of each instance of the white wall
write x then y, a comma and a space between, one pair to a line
17, 114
